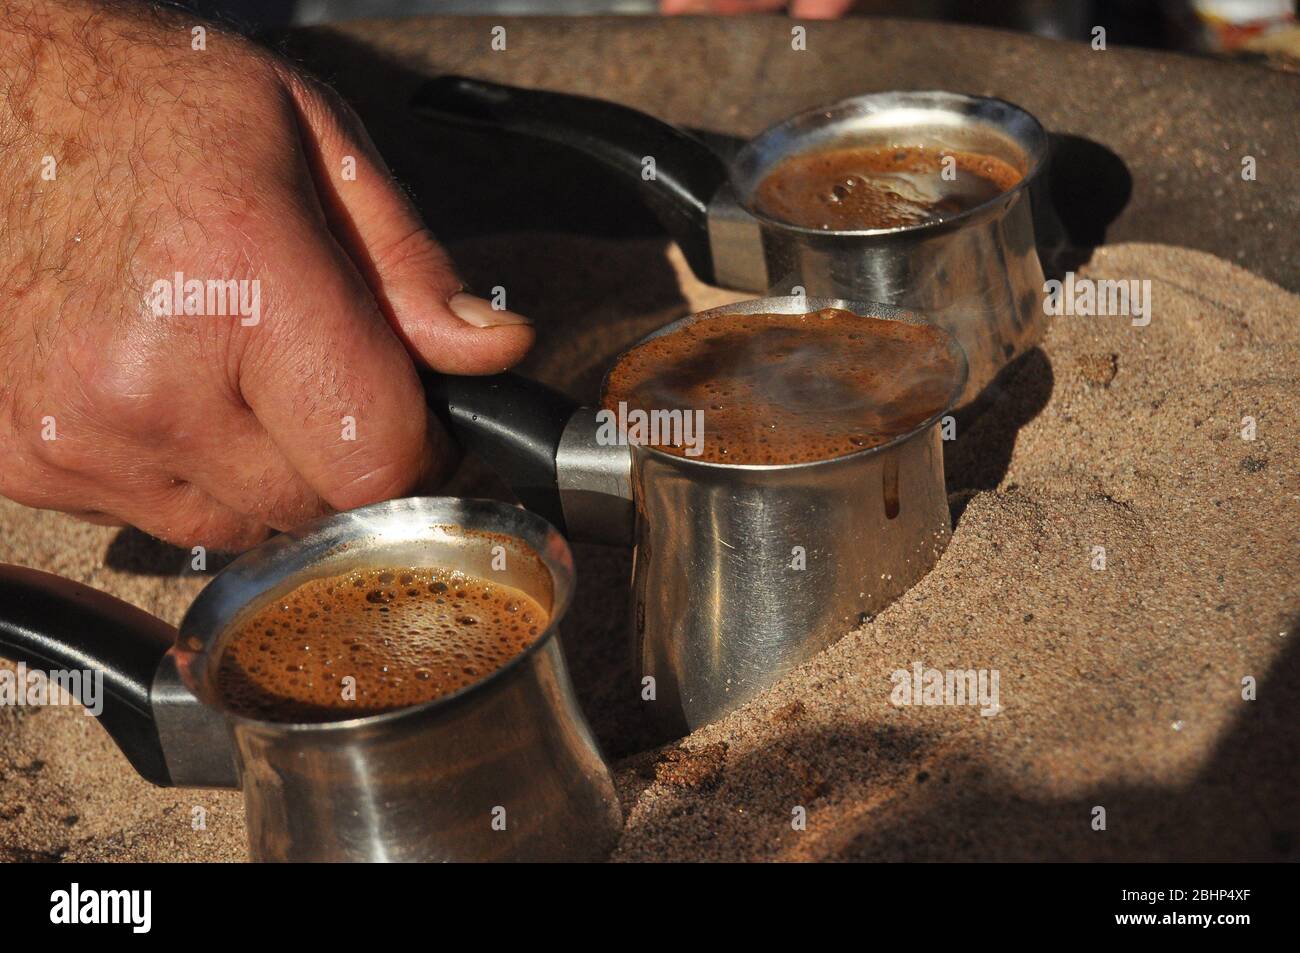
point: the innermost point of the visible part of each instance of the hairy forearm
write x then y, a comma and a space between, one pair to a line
91, 166
58, 72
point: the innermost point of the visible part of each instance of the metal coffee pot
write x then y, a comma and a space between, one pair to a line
740, 572
976, 274
505, 769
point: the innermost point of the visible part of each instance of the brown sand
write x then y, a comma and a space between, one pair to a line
1120, 688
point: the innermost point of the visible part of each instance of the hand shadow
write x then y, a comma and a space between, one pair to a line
136, 552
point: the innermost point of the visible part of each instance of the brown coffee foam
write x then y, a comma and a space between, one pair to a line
790, 388
859, 187
407, 636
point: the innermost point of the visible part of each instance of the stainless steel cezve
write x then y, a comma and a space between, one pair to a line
977, 274
741, 573
505, 769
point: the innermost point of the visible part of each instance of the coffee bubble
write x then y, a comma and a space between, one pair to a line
861, 187
790, 388
400, 655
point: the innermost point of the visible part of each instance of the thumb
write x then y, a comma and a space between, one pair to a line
408, 272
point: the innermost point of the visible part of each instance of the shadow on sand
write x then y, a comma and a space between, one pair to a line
901, 795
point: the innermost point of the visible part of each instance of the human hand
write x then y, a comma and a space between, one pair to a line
135, 157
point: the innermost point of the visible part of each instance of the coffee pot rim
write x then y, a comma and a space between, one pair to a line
1033, 142
800, 304
275, 563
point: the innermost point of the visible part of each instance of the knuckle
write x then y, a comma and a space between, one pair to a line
414, 250
318, 101
385, 480
285, 504
124, 394
60, 453
188, 525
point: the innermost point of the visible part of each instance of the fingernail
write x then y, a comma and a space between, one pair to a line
480, 313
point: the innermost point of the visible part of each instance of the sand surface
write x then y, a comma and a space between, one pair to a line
1120, 688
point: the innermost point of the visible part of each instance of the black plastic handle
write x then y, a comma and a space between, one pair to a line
55, 623
513, 423
686, 173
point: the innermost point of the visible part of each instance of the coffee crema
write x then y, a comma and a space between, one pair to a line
790, 388
857, 187
406, 636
